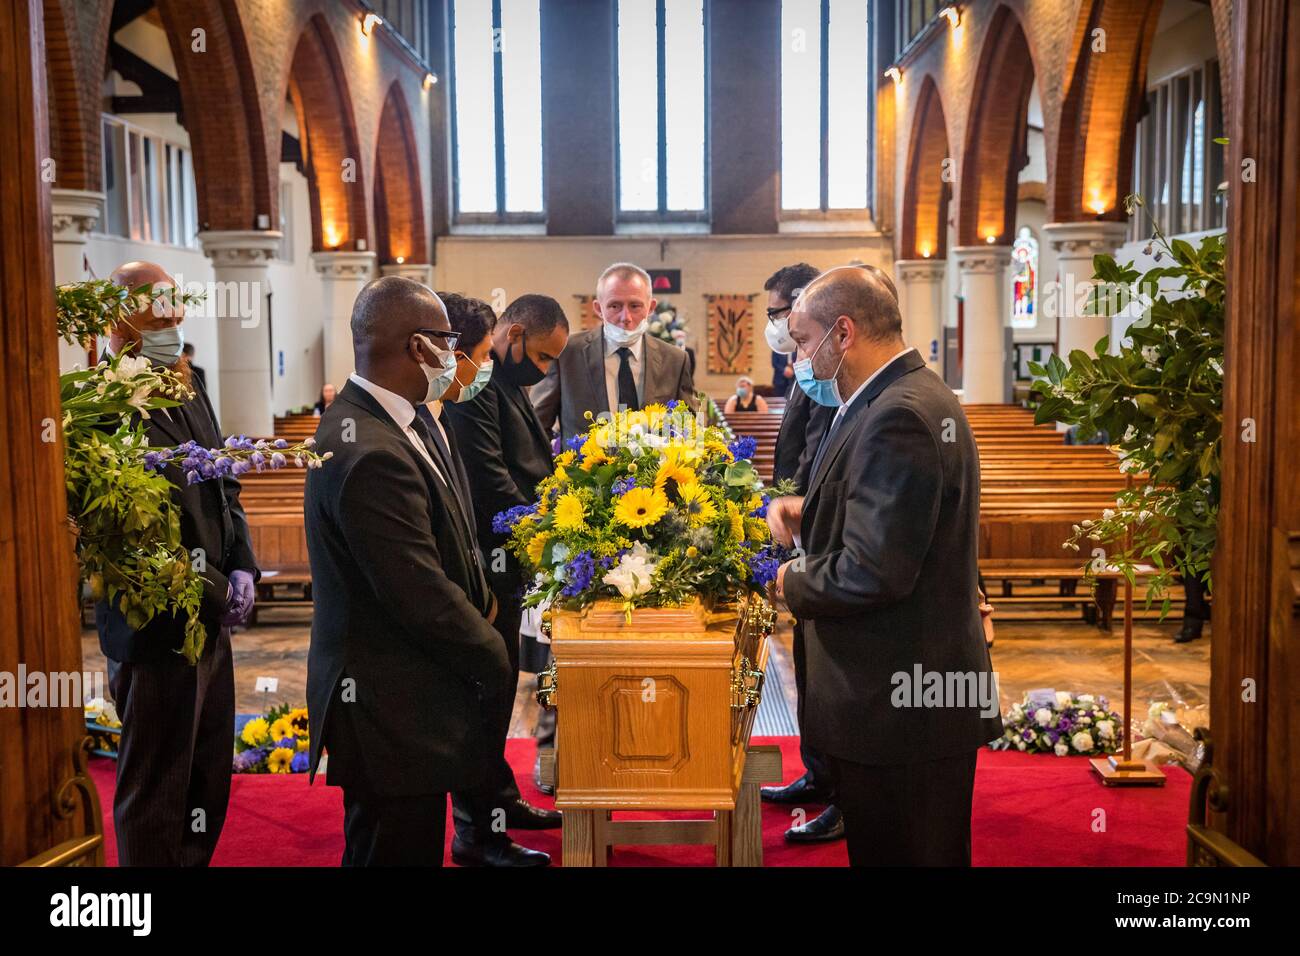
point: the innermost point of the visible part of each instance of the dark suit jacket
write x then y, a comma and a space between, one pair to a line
505, 450
575, 383
211, 519
891, 527
399, 613
801, 430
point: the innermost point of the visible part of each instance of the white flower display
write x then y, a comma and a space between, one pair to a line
1061, 748
1063, 699
1106, 729
1043, 717
1082, 741
632, 575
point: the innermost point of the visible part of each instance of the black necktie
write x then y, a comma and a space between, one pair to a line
437, 445
626, 382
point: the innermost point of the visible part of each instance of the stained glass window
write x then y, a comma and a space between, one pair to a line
1024, 279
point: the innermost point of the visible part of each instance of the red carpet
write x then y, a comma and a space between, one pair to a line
1030, 810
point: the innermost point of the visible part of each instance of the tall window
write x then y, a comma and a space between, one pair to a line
497, 105
825, 106
913, 16
1177, 166
148, 186
661, 125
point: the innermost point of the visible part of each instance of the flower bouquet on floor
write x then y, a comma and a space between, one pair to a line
1061, 723
275, 743
649, 507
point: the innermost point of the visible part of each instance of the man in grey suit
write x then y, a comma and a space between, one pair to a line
900, 690
616, 365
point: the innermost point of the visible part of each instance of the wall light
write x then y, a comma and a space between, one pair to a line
401, 259
429, 80
895, 74
990, 238
953, 15
369, 22
1098, 206
925, 252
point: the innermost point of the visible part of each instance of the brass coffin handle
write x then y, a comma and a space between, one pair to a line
746, 685
547, 686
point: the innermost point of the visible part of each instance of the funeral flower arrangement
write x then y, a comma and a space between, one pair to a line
651, 507
1061, 723
275, 743
666, 321
121, 508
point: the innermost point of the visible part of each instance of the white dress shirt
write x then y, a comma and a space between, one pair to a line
636, 360
403, 413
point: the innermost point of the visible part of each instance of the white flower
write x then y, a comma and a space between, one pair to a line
1082, 741
1086, 698
130, 366
1061, 748
1085, 720
1020, 744
1107, 514
1150, 355
559, 553
139, 400
1043, 716
1063, 699
631, 576
1017, 712
1106, 729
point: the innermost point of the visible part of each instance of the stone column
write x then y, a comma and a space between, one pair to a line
237, 299
920, 289
75, 212
1075, 244
342, 276
419, 271
985, 313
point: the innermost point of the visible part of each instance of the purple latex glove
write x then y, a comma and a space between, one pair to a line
242, 595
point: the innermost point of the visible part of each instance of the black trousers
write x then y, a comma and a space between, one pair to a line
173, 762
915, 814
1194, 609
479, 814
383, 830
814, 763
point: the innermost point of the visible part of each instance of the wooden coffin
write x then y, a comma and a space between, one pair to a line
655, 712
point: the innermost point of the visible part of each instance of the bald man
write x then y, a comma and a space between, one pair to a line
173, 765
405, 672
886, 589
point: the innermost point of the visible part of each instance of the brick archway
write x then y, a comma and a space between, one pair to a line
994, 151
336, 179
76, 45
399, 204
928, 180
234, 179
1102, 104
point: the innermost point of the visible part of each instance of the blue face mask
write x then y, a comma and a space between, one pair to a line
823, 391
481, 378
162, 346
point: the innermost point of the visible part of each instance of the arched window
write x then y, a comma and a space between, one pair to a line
1024, 280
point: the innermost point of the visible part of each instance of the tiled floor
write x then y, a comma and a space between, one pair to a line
1064, 655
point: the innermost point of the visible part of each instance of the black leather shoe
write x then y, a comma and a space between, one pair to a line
1190, 632
546, 788
801, 790
825, 828
496, 853
522, 815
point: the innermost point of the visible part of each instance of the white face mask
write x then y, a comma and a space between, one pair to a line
778, 338
621, 336
439, 379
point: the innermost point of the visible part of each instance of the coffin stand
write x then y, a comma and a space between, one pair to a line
654, 714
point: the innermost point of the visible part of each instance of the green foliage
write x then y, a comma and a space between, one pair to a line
1160, 401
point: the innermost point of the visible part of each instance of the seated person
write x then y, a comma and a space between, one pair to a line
745, 400
327, 394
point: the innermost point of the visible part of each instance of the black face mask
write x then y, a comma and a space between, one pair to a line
524, 372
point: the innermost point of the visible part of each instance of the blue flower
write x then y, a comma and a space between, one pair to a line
281, 443
761, 510
300, 762
673, 404
623, 486
763, 567
504, 521
579, 573
576, 442
743, 447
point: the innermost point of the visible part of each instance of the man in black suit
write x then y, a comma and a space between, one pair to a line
505, 454
178, 720
507, 451
405, 671
888, 589
616, 365
802, 426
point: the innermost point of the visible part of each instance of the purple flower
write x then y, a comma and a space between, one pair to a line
281, 443
300, 763
246, 761
743, 448
763, 567
277, 460
623, 486
224, 465
579, 573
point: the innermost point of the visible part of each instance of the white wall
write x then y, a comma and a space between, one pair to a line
498, 269
296, 320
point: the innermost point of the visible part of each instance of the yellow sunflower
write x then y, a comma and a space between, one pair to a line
640, 507
756, 530
696, 503
566, 457
569, 514
718, 448
298, 717
673, 466
255, 732
281, 729
537, 545
304, 743
280, 760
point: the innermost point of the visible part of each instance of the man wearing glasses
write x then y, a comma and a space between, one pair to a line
801, 430
616, 365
